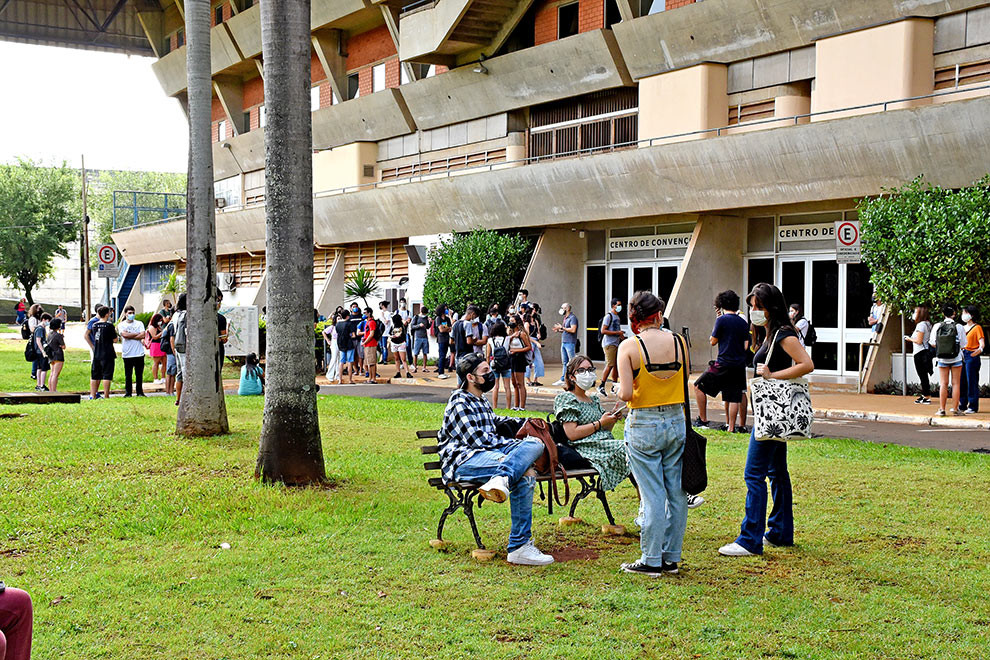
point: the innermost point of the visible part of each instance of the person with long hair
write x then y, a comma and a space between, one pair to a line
519, 347
949, 359
920, 339
441, 327
252, 381
801, 324
768, 458
55, 347
533, 322
652, 367
497, 354
158, 356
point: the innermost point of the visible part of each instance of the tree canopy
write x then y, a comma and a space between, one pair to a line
927, 245
483, 267
39, 214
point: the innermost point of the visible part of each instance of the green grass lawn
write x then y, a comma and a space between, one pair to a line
114, 525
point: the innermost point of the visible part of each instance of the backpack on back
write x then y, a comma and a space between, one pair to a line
379, 329
811, 336
25, 330
179, 328
606, 321
163, 339
946, 341
500, 357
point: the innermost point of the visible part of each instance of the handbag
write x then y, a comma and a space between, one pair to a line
548, 463
694, 465
781, 408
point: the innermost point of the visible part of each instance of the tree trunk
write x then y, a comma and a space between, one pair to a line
202, 410
290, 450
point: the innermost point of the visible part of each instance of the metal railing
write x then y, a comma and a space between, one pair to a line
791, 120
132, 208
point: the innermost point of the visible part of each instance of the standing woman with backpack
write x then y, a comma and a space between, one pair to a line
537, 334
497, 354
32, 322
921, 338
969, 383
801, 324
519, 347
948, 338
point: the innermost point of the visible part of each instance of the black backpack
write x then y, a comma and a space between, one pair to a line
543, 331
163, 339
25, 330
500, 357
603, 324
811, 336
946, 341
567, 456
379, 329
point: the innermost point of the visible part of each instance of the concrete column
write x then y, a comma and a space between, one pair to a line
230, 91
683, 101
555, 275
332, 293
877, 64
329, 47
713, 263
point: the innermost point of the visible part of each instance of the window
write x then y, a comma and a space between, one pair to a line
353, 86
261, 116
378, 77
612, 15
419, 70
180, 38
647, 7
334, 99
229, 190
567, 20
247, 4
314, 98
154, 276
222, 130
218, 15
246, 121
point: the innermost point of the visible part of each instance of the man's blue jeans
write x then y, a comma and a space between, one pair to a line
767, 458
969, 382
511, 462
655, 444
567, 353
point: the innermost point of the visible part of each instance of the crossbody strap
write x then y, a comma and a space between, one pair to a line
773, 344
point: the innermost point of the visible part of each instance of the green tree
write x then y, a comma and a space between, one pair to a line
928, 245
483, 267
39, 214
99, 200
361, 284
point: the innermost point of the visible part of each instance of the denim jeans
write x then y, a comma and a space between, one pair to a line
567, 353
969, 382
767, 458
442, 347
511, 462
655, 444
536, 369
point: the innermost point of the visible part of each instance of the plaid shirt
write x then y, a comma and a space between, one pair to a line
468, 428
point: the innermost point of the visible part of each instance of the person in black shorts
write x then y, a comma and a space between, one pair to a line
727, 374
104, 354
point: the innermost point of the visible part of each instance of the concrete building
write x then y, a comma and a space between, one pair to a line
684, 148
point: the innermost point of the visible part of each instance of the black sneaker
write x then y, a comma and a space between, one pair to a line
669, 567
743, 429
601, 390
642, 569
699, 423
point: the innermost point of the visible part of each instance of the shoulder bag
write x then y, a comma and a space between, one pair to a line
694, 465
781, 408
548, 463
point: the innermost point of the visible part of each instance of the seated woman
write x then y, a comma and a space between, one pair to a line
588, 426
252, 377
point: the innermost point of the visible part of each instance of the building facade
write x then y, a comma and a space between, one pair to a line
682, 147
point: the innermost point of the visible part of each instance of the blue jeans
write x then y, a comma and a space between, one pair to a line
767, 458
969, 382
511, 462
536, 369
655, 444
442, 347
567, 353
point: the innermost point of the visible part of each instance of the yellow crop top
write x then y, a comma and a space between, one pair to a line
649, 390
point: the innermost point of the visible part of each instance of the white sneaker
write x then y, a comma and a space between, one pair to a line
558, 382
529, 555
694, 501
495, 489
735, 550
443, 376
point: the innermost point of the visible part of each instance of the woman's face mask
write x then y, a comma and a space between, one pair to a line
758, 317
966, 317
585, 379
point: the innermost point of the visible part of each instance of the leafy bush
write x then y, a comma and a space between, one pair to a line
928, 245
144, 317
483, 267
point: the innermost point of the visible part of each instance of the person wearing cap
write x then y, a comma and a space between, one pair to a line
471, 450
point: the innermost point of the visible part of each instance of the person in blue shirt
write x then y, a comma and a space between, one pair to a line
727, 374
252, 377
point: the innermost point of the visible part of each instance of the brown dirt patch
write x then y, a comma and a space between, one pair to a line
572, 553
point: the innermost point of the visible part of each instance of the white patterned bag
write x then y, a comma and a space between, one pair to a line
781, 408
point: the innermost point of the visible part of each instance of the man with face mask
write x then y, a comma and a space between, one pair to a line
471, 450
567, 328
132, 350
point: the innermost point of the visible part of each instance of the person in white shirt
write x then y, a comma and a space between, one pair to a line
921, 339
132, 333
876, 315
948, 358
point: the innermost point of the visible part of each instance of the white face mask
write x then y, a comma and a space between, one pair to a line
586, 381
914, 317
967, 317
758, 317
130, 317
561, 311
618, 309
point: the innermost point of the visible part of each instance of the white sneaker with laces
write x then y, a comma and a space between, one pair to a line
529, 555
694, 501
735, 550
495, 489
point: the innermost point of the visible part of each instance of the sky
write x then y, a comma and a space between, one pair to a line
60, 103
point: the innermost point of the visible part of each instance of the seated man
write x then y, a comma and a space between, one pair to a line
471, 450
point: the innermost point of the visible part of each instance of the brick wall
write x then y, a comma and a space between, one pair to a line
254, 92
365, 81
393, 74
216, 111
326, 94
369, 47
674, 4
316, 73
591, 16
545, 23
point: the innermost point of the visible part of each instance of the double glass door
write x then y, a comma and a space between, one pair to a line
627, 279
836, 298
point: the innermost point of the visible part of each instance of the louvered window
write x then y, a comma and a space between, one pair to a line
962, 74
599, 121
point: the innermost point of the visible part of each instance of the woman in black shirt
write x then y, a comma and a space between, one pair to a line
441, 326
768, 458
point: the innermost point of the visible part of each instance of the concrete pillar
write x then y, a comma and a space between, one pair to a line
877, 64
713, 263
330, 49
332, 293
682, 101
230, 91
555, 275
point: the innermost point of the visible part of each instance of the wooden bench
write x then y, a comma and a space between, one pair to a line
462, 494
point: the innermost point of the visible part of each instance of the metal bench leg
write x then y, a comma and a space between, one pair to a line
586, 490
469, 512
454, 506
601, 497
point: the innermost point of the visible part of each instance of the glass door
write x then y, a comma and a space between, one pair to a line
628, 278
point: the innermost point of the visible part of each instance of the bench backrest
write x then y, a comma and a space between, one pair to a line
436, 482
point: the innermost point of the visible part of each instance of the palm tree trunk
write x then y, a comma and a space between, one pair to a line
290, 450
202, 410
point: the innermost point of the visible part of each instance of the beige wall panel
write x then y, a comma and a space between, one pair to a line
246, 154
684, 101
343, 166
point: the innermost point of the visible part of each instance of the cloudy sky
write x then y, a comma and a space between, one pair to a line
60, 103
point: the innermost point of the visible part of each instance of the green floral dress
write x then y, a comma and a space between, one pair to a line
602, 450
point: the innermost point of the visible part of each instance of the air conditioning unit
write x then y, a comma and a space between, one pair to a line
221, 202
225, 281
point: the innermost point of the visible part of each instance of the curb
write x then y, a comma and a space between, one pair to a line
916, 420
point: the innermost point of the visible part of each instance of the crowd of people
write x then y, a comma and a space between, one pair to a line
650, 380
955, 349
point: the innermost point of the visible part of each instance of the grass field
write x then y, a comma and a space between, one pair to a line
114, 525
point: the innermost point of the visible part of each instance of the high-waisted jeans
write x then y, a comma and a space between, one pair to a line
767, 458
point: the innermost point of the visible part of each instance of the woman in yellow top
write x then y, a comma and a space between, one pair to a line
969, 398
652, 364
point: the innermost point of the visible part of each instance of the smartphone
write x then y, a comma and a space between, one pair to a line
620, 408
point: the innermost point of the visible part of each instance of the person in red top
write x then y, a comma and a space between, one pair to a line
370, 343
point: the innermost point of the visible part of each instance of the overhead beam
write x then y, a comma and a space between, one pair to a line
628, 9
329, 47
230, 91
261, 66
182, 9
153, 24
507, 26
391, 16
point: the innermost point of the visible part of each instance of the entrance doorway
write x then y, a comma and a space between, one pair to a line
626, 279
836, 298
